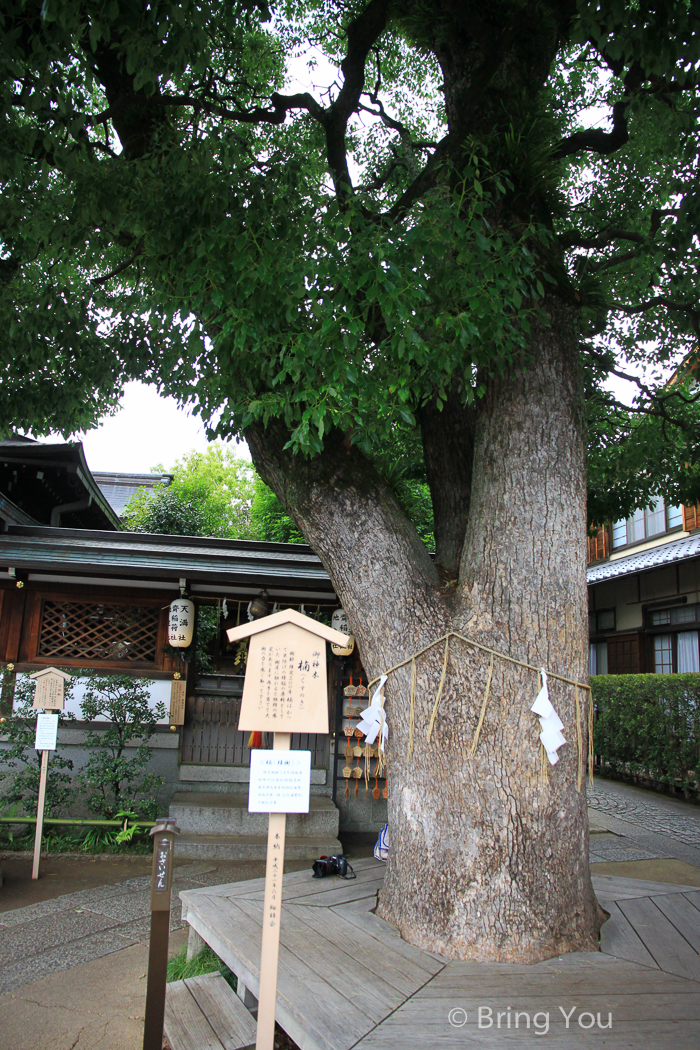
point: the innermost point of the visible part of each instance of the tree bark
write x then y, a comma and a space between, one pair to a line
489, 856
448, 450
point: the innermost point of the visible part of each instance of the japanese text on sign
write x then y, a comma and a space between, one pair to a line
285, 689
47, 732
49, 692
162, 857
279, 781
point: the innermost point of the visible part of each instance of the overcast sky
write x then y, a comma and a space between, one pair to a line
148, 430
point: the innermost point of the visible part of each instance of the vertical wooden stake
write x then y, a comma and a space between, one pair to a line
272, 914
163, 835
40, 813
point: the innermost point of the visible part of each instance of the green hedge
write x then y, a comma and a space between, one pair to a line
648, 726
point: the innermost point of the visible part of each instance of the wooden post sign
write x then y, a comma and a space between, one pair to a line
48, 695
48, 698
284, 692
163, 835
178, 697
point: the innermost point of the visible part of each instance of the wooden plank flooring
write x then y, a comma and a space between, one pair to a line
347, 979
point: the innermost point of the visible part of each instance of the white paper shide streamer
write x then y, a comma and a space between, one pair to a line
551, 736
373, 721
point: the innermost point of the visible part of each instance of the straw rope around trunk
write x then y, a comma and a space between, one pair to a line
508, 659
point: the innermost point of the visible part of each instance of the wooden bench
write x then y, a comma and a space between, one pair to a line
204, 1013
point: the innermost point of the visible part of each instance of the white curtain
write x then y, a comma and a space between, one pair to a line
592, 661
688, 657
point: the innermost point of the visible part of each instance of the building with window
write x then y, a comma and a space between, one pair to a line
644, 593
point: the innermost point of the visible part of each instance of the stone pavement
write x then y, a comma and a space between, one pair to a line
75, 928
641, 825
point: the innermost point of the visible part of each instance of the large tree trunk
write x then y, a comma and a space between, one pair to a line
489, 854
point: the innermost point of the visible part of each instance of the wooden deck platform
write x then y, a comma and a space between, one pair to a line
347, 979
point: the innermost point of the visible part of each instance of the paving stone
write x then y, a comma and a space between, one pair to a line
222, 874
622, 855
18, 916
41, 935
141, 883
191, 871
62, 958
660, 815
123, 907
140, 929
67, 901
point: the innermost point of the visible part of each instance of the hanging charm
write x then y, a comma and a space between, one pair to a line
373, 721
551, 736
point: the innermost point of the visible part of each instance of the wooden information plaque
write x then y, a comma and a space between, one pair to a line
178, 696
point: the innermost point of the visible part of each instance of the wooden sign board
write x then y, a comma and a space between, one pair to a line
339, 622
285, 689
178, 696
48, 694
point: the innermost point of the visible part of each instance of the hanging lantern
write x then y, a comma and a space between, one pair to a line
260, 606
181, 623
339, 622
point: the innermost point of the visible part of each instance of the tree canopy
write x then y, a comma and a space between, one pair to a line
347, 259
446, 247
210, 495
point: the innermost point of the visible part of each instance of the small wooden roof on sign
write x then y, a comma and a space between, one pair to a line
268, 623
51, 670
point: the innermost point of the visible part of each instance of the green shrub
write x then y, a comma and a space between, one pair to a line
648, 726
114, 778
21, 764
205, 961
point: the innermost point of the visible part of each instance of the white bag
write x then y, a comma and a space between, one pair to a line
381, 849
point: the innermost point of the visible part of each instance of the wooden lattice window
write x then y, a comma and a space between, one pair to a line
598, 545
83, 631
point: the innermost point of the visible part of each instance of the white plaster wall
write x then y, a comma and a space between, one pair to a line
159, 693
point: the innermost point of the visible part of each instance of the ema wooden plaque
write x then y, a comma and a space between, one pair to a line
285, 689
178, 696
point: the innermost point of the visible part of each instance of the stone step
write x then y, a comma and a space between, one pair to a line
215, 813
252, 847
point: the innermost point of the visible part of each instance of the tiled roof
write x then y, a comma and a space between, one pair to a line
119, 488
202, 559
666, 554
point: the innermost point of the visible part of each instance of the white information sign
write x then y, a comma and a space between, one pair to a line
279, 781
47, 731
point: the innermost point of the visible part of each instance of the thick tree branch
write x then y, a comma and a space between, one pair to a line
362, 33
448, 450
571, 239
119, 269
281, 105
692, 311
594, 140
351, 517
